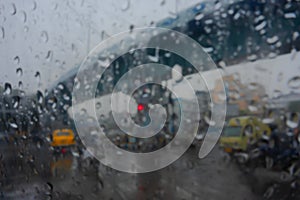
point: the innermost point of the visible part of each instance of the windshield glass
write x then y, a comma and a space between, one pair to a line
63, 134
146, 89
232, 131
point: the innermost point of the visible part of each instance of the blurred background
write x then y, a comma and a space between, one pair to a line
254, 43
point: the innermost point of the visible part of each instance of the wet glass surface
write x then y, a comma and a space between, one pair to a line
254, 45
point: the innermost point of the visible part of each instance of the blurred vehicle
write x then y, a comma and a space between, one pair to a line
241, 133
281, 150
62, 138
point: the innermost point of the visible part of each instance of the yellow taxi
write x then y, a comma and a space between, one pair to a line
242, 132
62, 138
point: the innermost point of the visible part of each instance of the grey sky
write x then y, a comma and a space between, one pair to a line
52, 36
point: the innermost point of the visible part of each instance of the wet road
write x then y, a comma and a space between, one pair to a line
38, 174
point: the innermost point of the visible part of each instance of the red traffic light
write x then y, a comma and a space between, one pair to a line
140, 107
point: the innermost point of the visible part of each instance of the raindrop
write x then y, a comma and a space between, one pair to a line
294, 83
40, 96
272, 40
17, 60
16, 101
104, 62
260, 26
98, 105
199, 16
252, 108
2, 32
83, 111
154, 58
131, 27
60, 86
277, 93
209, 121
14, 9
76, 83
44, 37
252, 57
26, 28
13, 125
104, 35
74, 49
236, 16
49, 55
168, 55
23, 16
125, 5
209, 21
20, 85
280, 77
289, 15
34, 5
66, 97
259, 18
268, 194
7, 88
37, 76
19, 72
102, 117
208, 49
253, 86
295, 35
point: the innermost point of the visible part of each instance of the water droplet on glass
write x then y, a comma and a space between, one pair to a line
44, 37
23, 16
277, 93
60, 86
98, 105
13, 125
38, 76
269, 192
7, 89
2, 32
295, 35
17, 60
34, 5
294, 83
26, 29
20, 85
104, 35
125, 5
253, 86
16, 101
199, 16
272, 40
40, 97
261, 26
76, 83
131, 27
280, 77
290, 15
49, 55
66, 97
13, 9
104, 62
83, 111
19, 72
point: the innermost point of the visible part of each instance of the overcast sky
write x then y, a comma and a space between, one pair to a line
50, 37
